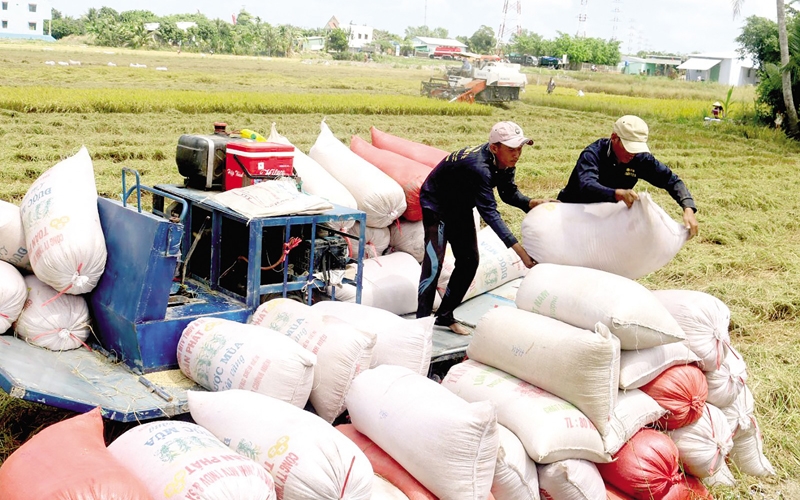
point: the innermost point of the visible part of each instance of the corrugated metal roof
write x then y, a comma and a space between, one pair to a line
699, 64
440, 41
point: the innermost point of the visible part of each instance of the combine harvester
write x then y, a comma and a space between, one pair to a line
488, 81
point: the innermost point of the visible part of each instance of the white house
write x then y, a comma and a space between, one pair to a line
428, 44
24, 19
359, 35
724, 67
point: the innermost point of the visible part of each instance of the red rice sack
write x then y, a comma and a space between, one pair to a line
62, 226
69, 460
690, 488
59, 322
386, 466
582, 297
12, 237
645, 467
305, 455
13, 294
571, 480
221, 354
704, 444
408, 173
681, 390
183, 461
427, 155
704, 319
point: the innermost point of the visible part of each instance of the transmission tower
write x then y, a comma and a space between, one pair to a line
615, 19
515, 19
582, 20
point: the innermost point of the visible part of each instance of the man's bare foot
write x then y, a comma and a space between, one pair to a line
457, 328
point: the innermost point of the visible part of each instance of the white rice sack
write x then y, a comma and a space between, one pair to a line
633, 411
180, 460
637, 368
747, 453
315, 179
305, 455
59, 322
376, 193
607, 236
220, 354
62, 226
722, 477
704, 319
399, 341
377, 241
704, 444
408, 237
384, 490
13, 248
581, 297
725, 384
447, 444
534, 348
342, 351
515, 476
571, 480
498, 265
741, 413
389, 282
549, 428
13, 293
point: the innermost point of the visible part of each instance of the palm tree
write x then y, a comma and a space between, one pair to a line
786, 75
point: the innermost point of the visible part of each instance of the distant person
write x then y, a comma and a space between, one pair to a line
466, 67
464, 180
778, 120
551, 85
608, 169
717, 110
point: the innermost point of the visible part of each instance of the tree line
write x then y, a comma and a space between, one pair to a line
247, 34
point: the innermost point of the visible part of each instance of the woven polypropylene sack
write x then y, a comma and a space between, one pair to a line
581, 297
305, 455
427, 155
13, 248
408, 237
747, 452
386, 466
68, 460
571, 480
727, 382
549, 428
534, 347
315, 179
410, 174
515, 475
342, 350
636, 368
384, 490
220, 354
48, 319
607, 236
646, 467
13, 294
690, 488
181, 460
376, 241
704, 319
399, 341
682, 391
705, 443
446, 443
377, 194
62, 226
633, 411
498, 265
741, 413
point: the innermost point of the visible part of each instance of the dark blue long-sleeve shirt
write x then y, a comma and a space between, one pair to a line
597, 174
465, 179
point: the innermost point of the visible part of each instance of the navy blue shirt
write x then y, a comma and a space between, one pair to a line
465, 179
598, 173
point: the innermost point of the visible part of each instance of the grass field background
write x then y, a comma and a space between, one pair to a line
743, 177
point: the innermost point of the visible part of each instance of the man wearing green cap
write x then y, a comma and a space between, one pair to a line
608, 169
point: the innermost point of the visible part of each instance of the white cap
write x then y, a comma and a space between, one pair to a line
632, 131
508, 133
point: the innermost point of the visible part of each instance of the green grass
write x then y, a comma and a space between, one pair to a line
744, 178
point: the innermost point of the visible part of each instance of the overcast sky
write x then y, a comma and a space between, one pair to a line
682, 26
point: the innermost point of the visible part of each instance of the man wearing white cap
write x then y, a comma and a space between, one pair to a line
608, 169
464, 180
